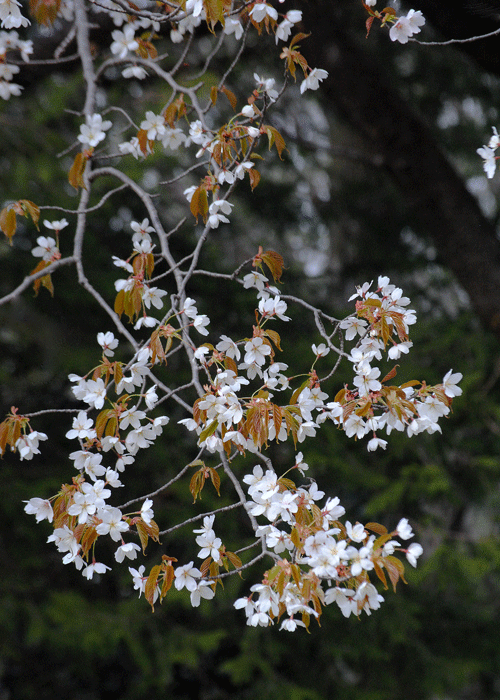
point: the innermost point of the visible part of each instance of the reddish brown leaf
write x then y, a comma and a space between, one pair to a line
395, 569
199, 203
44, 11
274, 262
376, 527
369, 23
150, 588
143, 534
234, 559
197, 483
230, 96
8, 222
254, 176
75, 175
168, 578
390, 375
275, 138
88, 539
215, 478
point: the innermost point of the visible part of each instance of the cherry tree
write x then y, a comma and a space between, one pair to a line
242, 394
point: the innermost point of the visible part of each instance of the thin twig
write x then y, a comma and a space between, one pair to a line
456, 41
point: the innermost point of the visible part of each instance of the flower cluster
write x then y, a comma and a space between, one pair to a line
321, 561
11, 16
223, 418
382, 322
240, 394
81, 515
10, 41
80, 512
308, 542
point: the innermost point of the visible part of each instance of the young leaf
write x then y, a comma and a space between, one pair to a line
215, 478
8, 222
230, 96
197, 483
369, 23
75, 175
273, 260
376, 527
234, 559
150, 588
199, 204
88, 539
390, 375
144, 144
30, 209
395, 569
254, 176
168, 578
143, 534
45, 281
275, 138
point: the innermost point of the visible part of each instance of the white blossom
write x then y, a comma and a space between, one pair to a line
92, 132
313, 79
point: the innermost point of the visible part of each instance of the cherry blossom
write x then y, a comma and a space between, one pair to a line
112, 523
261, 10
407, 26
313, 79
8, 89
108, 343
216, 213
210, 545
233, 26
128, 551
123, 42
93, 131
200, 323
146, 511
154, 125
256, 350
494, 141
137, 72
320, 350
95, 393
450, 382
10, 15
139, 579
41, 508
413, 552
95, 568
46, 249
82, 428
185, 577
203, 590
404, 530
489, 158
27, 445
56, 225
375, 443
266, 85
